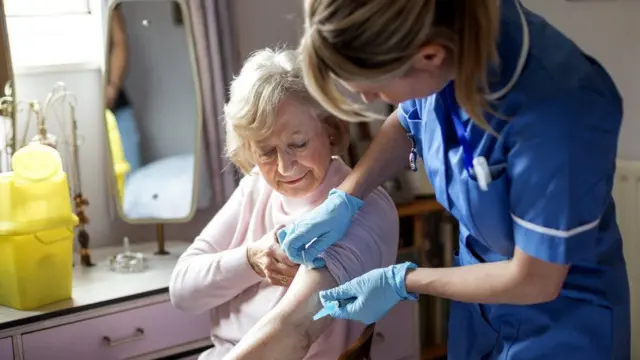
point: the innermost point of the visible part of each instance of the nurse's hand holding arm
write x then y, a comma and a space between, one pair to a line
387, 155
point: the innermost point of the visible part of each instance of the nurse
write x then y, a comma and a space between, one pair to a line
518, 129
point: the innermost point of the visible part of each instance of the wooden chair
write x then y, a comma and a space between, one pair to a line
361, 349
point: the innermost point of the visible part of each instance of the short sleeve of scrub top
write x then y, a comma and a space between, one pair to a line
405, 110
562, 154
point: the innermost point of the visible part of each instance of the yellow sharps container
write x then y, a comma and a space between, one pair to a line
36, 230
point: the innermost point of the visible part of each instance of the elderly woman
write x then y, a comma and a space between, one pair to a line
261, 304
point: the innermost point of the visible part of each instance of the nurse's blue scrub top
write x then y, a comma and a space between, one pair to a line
552, 165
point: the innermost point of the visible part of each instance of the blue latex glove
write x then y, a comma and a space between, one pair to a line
368, 297
326, 224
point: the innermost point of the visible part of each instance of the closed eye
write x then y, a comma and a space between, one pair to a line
267, 154
299, 145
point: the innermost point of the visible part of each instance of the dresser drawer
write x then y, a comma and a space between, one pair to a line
117, 336
396, 334
6, 349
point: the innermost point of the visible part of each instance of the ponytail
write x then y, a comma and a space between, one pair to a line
477, 26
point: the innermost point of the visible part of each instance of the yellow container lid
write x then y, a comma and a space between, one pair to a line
36, 162
36, 193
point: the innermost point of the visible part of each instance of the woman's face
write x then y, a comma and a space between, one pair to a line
294, 159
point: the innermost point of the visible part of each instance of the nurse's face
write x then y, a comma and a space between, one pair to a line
431, 69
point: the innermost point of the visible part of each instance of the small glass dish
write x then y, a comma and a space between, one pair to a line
128, 261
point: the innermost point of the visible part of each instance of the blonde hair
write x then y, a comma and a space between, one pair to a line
376, 39
268, 77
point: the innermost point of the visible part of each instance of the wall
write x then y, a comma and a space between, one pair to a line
160, 80
608, 30
56, 35
279, 23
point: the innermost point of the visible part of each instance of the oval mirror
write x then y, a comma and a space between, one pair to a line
152, 112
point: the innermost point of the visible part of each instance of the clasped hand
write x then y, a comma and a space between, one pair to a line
269, 261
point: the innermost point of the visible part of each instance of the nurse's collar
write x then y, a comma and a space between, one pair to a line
514, 34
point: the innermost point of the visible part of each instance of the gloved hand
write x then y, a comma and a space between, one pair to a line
326, 224
368, 297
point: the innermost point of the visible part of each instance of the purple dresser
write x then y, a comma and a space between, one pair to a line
6, 349
117, 336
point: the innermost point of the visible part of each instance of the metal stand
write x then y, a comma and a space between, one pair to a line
160, 239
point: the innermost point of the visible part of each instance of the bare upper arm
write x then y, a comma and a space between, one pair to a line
288, 330
301, 302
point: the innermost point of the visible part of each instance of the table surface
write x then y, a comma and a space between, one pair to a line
98, 285
419, 207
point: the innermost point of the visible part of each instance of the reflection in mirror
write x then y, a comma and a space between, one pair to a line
7, 99
152, 112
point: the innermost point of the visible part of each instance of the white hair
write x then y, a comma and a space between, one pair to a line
267, 77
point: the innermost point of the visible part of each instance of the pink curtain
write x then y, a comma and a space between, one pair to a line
217, 61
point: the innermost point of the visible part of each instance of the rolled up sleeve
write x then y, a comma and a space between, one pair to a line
370, 242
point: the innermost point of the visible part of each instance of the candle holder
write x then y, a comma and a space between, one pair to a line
128, 261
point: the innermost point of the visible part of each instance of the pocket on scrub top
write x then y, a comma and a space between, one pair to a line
490, 211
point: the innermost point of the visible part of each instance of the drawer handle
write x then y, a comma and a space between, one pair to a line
135, 337
378, 337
